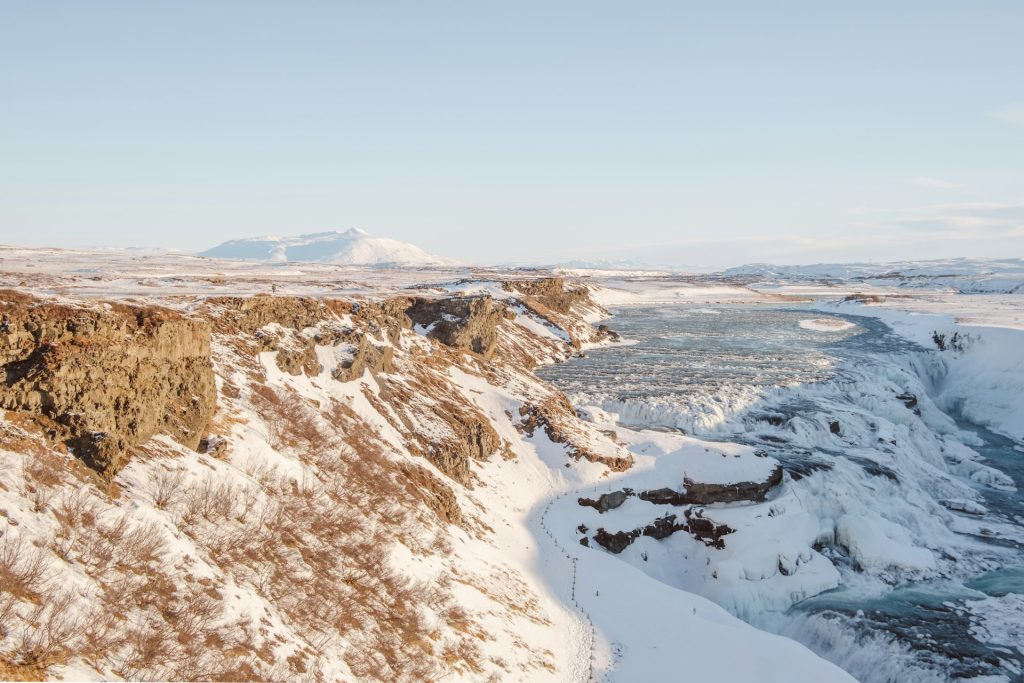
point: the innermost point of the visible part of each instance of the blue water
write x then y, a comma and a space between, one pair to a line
746, 366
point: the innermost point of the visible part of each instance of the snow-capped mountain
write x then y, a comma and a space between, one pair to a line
353, 247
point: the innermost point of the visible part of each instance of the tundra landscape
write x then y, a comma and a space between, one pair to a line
568, 342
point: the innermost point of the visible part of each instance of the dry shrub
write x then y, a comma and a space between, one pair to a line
24, 570
317, 546
291, 424
51, 635
43, 474
167, 488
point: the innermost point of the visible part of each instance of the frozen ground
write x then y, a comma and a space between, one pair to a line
668, 607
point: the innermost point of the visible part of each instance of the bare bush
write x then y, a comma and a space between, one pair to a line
167, 488
24, 568
51, 634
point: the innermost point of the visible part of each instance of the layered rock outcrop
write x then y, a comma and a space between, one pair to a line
469, 323
104, 379
549, 291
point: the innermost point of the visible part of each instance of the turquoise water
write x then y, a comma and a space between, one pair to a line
741, 373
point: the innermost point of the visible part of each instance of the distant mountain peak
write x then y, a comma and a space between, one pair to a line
354, 247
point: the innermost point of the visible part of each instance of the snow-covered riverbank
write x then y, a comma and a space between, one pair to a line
885, 487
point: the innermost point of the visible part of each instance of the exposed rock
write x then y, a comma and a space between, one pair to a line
616, 542
462, 432
387, 316
664, 496
607, 501
698, 493
551, 415
603, 331
299, 359
436, 494
706, 530
469, 323
864, 298
704, 494
909, 399
549, 291
663, 527
834, 427
213, 445
700, 527
368, 356
104, 380
249, 314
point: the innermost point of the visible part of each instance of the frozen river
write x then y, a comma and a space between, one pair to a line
928, 508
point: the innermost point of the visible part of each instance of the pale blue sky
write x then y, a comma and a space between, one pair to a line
708, 133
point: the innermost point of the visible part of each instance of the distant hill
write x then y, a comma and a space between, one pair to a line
968, 275
352, 248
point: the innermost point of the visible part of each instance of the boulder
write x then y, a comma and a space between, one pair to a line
607, 501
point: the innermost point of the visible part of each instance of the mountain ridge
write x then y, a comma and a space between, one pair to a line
353, 247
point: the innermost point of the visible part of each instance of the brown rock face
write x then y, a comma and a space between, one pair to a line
249, 314
551, 416
103, 380
469, 323
550, 291
376, 359
698, 493
297, 361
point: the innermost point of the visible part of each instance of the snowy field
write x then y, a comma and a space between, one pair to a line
896, 494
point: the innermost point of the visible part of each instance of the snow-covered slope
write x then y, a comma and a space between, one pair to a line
353, 247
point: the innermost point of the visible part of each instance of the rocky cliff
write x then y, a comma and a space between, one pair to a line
103, 379
295, 487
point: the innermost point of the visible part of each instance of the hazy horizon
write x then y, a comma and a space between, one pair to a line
675, 133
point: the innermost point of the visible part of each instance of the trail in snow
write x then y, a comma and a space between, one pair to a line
583, 637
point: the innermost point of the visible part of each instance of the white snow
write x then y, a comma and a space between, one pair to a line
827, 324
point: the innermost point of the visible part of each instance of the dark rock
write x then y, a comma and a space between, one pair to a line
585, 541
834, 427
213, 445
704, 494
469, 322
663, 527
616, 542
706, 530
607, 501
909, 400
703, 529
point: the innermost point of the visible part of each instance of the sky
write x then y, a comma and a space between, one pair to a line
680, 133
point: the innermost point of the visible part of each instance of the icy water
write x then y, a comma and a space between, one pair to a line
756, 374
